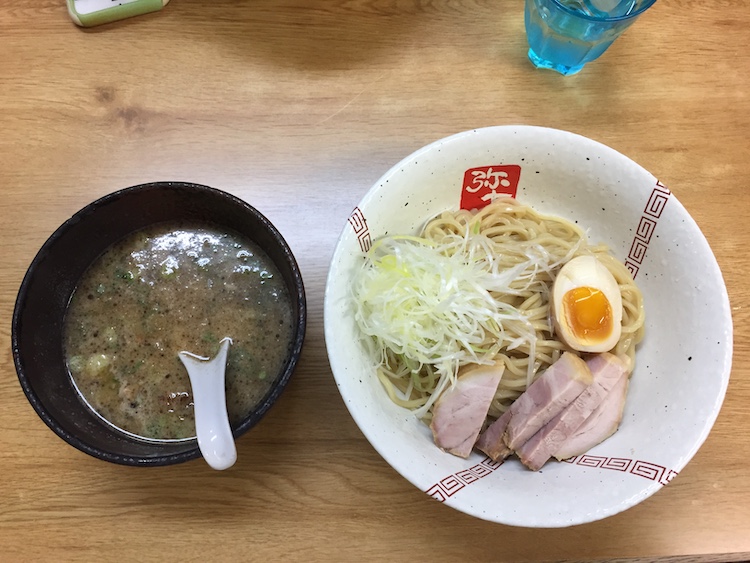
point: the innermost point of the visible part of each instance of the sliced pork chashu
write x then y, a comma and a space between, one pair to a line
460, 411
554, 390
491, 440
602, 423
607, 370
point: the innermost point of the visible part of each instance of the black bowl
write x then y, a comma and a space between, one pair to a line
54, 273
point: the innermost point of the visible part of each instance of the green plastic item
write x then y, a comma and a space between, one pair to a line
114, 13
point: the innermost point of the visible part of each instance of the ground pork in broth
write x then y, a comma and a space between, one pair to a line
166, 289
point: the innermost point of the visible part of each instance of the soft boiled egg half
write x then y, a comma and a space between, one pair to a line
587, 305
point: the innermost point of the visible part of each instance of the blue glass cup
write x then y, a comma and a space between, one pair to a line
564, 35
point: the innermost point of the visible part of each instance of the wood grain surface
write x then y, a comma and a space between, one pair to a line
298, 107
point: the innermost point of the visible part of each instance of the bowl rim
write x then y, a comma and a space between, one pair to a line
298, 297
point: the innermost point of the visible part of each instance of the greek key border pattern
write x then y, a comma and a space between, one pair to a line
655, 205
450, 485
359, 226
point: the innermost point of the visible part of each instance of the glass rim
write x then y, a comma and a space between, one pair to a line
645, 6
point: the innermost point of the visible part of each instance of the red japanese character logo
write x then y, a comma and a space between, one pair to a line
485, 184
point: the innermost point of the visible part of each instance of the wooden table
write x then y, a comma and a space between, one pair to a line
298, 107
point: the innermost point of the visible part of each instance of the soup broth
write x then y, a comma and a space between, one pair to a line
166, 289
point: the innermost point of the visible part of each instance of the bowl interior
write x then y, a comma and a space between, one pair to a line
681, 372
54, 273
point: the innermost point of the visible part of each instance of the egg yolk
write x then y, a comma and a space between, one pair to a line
588, 313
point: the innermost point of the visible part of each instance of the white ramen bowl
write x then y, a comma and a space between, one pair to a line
682, 366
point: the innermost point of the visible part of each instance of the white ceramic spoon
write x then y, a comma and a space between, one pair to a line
215, 438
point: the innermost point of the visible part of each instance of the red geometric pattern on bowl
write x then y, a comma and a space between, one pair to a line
646, 227
450, 485
359, 226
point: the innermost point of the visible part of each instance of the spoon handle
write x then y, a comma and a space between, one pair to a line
215, 438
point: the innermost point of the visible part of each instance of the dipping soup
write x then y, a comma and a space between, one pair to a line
162, 290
